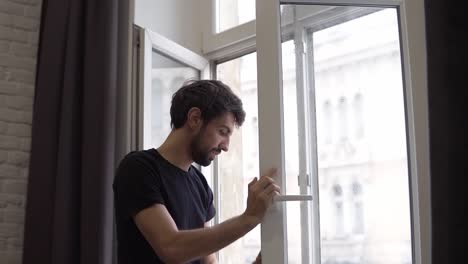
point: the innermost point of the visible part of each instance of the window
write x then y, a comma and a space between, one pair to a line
358, 116
358, 214
342, 54
343, 118
371, 41
327, 123
231, 13
334, 59
339, 211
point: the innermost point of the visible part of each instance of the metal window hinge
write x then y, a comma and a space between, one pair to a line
303, 180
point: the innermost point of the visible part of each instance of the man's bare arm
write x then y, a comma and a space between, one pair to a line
180, 246
210, 259
175, 246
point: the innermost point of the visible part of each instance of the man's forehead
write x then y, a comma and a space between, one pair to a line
226, 119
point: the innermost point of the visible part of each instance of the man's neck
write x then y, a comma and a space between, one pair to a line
176, 150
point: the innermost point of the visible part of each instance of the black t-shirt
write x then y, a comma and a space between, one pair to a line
145, 178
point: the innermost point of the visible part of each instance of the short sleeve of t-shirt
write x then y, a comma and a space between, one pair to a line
209, 206
211, 211
136, 187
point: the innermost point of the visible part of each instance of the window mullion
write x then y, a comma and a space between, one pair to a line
271, 125
215, 169
313, 160
303, 132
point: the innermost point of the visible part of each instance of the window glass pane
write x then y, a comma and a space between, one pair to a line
352, 70
362, 155
290, 118
241, 75
239, 165
291, 148
167, 76
294, 232
231, 13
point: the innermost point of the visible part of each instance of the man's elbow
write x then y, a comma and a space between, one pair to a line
172, 255
166, 254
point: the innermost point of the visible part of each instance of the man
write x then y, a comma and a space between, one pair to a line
163, 203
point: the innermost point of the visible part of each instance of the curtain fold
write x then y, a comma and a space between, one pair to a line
447, 54
69, 208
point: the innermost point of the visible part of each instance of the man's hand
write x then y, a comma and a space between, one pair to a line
260, 198
258, 260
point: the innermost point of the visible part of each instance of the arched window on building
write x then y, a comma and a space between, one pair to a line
358, 208
339, 210
254, 136
327, 122
343, 118
358, 116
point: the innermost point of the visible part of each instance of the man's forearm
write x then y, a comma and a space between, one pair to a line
210, 259
192, 244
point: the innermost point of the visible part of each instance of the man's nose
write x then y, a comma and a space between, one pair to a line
224, 145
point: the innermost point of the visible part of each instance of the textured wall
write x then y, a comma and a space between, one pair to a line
19, 27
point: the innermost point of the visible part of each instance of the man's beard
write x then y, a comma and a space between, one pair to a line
199, 155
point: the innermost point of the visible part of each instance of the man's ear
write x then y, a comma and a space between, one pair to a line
194, 118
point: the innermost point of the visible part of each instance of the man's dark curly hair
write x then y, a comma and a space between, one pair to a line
212, 97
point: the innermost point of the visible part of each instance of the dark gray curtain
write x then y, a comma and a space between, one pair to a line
69, 210
447, 57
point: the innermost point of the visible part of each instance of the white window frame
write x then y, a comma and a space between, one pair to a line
269, 55
232, 43
242, 39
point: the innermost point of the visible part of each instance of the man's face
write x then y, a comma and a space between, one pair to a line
212, 138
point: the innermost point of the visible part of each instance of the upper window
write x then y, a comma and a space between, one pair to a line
231, 13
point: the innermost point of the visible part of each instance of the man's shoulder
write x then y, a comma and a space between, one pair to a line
138, 157
134, 165
138, 154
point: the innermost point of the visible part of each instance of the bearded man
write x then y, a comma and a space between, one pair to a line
163, 203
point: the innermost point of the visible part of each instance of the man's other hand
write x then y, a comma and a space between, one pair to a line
260, 197
258, 260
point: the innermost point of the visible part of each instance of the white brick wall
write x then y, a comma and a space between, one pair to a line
19, 27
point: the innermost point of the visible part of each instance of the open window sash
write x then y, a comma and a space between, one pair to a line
269, 35
161, 64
